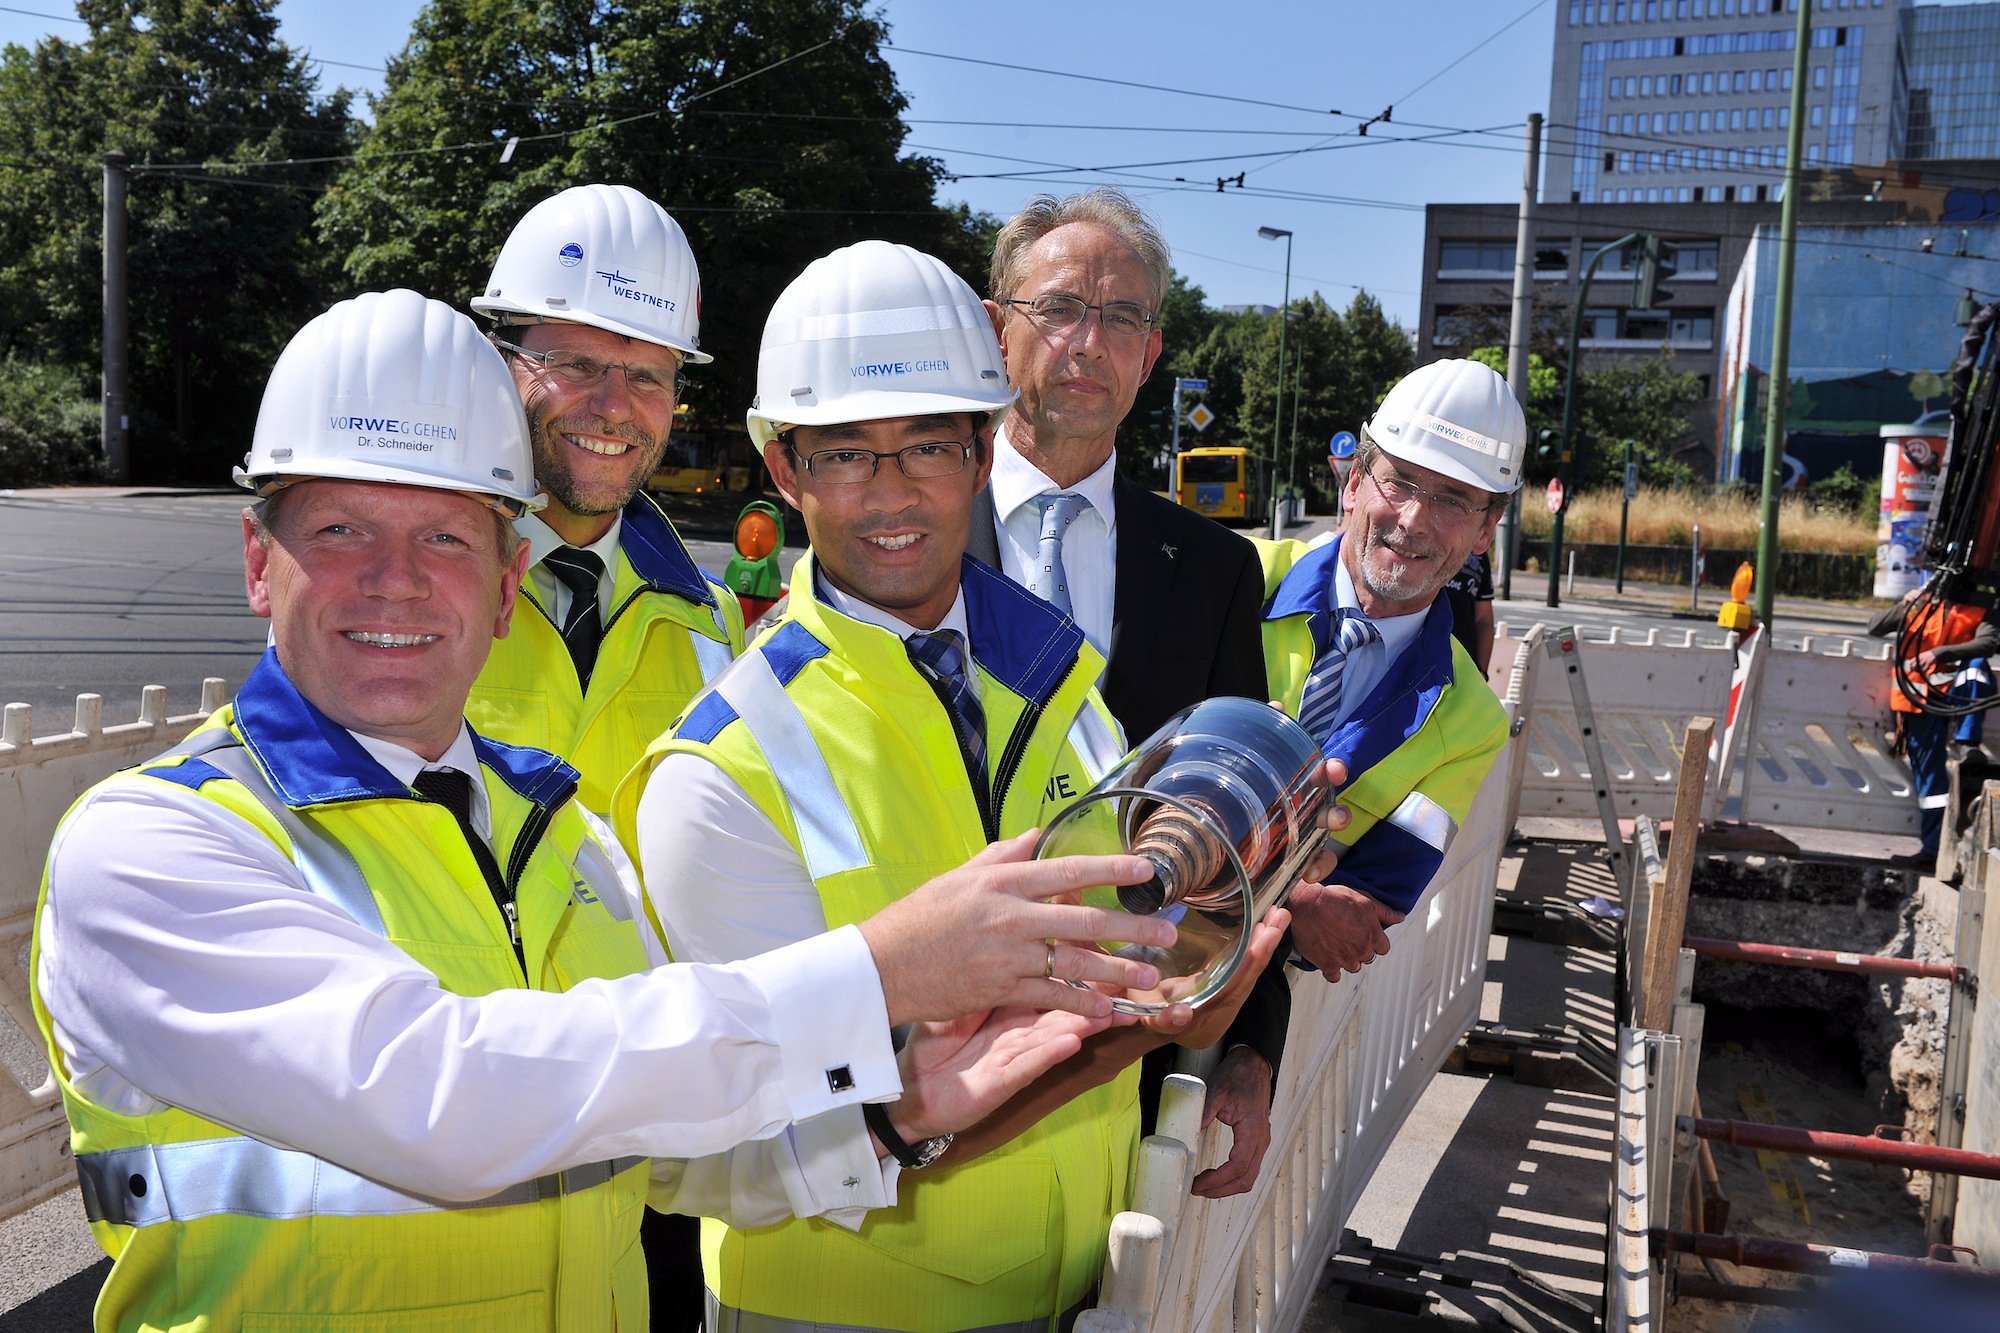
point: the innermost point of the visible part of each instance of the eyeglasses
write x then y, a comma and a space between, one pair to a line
1123, 319
580, 370
1399, 491
919, 462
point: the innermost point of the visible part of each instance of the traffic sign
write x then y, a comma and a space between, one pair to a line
1191, 386
1555, 495
1200, 417
1631, 481
1343, 445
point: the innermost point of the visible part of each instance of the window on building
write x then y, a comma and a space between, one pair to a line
1611, 162
1475, 256
1674, 85
1645, 85
1736, 82
1784, 117
1551, 259
1770, 117
1673, 122
1812, 154
1819, 77
1695, 257
1707, 83
1659, 122
1756, 80
1704, 122
1736, 119
1816, 116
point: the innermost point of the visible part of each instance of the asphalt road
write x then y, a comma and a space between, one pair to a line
107, 594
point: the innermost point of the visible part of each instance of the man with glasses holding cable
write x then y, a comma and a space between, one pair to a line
596, 301
1359, 647
595, 298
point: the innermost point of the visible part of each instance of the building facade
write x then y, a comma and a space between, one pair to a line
1689, 101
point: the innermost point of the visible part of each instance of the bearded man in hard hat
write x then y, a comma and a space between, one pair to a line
912, 706
349, 1005
1359, 647
597, 305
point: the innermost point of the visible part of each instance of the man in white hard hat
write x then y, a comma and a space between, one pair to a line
1359, 646
911, 706
1169, 597
597, 304
351, 1008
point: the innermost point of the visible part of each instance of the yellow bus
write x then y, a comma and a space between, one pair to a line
1225, 483
702, 460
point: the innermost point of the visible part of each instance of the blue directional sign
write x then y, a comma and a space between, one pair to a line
1343, 445
1191, 386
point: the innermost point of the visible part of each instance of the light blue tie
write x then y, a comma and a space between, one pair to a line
1320, 704
1051, 580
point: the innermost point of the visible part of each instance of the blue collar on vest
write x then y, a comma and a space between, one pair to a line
1396, 708
311, 759
657, 553
1022, 641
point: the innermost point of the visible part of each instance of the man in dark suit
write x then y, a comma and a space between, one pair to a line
1172, 599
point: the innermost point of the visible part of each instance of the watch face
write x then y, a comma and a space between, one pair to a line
929, 1150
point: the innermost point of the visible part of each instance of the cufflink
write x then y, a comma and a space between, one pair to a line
840, 1079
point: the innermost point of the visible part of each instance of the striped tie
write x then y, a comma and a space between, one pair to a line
579, 571
1051, 580
1319, 706
940, 658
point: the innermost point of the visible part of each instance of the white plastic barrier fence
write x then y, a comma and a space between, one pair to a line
1360, 1054
1804, 749
39, 778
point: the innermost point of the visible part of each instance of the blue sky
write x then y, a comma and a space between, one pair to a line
1460, 75
1354, 204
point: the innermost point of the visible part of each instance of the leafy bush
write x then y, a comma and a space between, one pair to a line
49, 425
1847, 493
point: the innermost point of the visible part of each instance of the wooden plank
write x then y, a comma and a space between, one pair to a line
1668, 918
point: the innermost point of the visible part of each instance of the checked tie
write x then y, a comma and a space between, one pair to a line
1320, 704
1051, 580
579, 571
939, 657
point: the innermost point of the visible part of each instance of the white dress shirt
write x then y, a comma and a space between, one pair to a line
1090, 547
551, 591
1367, 664
184, 962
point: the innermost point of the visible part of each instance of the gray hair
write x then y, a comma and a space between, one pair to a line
1110, 209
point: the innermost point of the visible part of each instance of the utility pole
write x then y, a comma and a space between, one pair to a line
1278, 387
115, 430
1517, 335
1781, 336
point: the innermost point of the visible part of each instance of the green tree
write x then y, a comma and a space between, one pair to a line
220, 271
770, 129
1649, 402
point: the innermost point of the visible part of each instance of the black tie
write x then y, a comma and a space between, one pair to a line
579, 571
453, 790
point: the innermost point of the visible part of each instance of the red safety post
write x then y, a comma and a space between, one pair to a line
1853, 1147
1820, 960
1797, 1256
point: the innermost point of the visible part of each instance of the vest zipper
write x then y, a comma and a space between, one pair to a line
525, 842
1016, 751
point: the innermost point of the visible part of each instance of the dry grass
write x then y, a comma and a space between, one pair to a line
1730, 518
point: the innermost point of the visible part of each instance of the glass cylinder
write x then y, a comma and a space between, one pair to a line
1224, 801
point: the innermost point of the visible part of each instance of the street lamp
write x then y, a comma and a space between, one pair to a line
1277, 402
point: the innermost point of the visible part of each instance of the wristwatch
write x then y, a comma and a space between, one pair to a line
913, 1156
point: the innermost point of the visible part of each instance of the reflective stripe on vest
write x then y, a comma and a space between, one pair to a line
1425, 820
712, 657
828, 838
727, 1319
178, 1182
329, 869
1095, 743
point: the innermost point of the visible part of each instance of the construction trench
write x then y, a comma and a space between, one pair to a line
1789, 1068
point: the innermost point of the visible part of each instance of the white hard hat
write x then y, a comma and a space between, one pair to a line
873, 331
605, 256
393, 386
1460, 420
